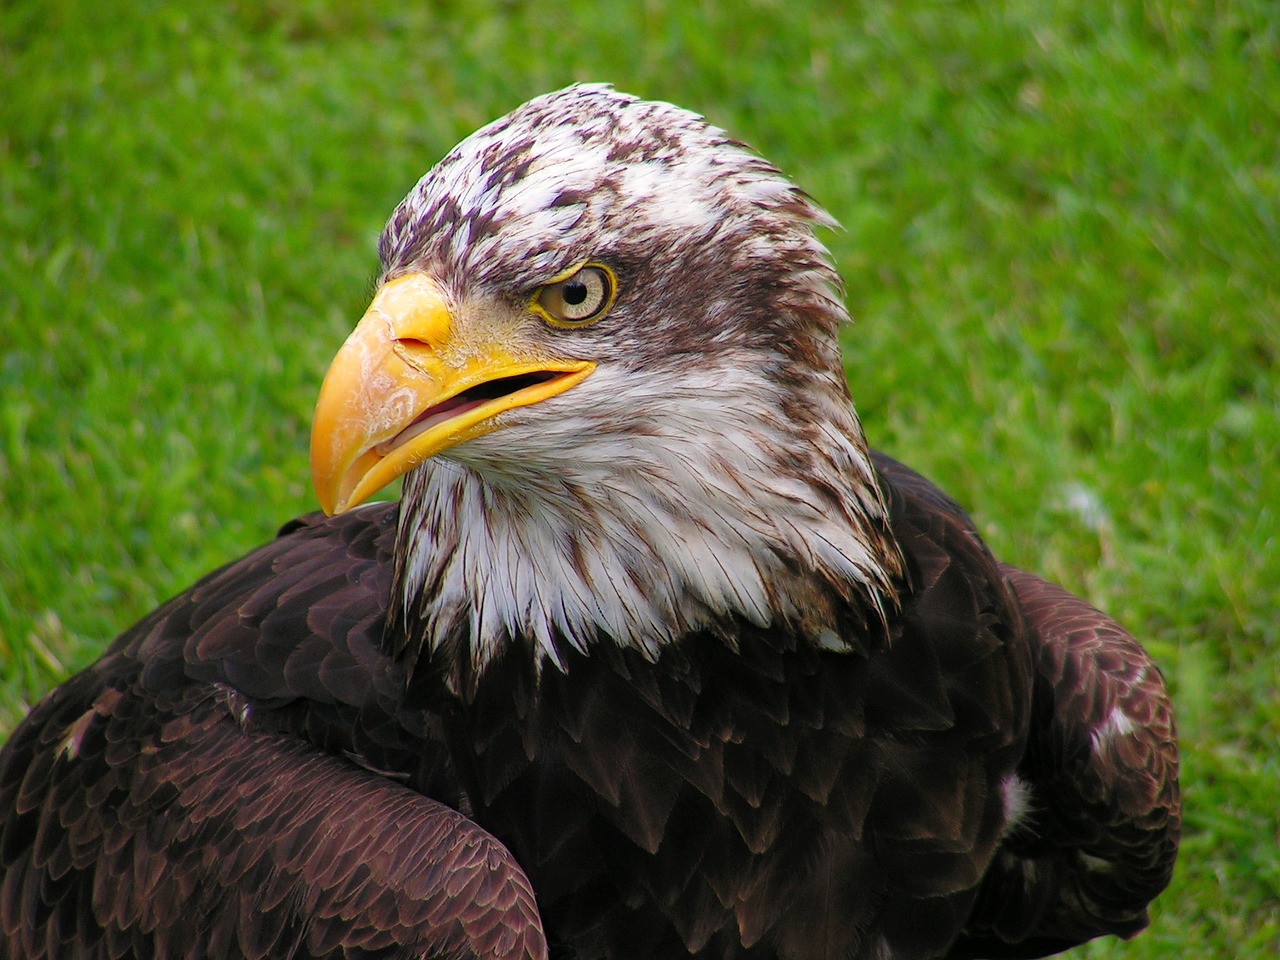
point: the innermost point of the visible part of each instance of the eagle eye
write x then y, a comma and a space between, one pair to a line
579, 298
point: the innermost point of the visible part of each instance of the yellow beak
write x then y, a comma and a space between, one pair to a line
406, 386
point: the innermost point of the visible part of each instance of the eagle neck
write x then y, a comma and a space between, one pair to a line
759, 523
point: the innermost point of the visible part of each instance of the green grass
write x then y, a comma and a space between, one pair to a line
1062, 246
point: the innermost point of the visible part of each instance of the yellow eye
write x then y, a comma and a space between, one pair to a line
579, 298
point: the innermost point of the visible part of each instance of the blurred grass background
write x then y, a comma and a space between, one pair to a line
1061, 244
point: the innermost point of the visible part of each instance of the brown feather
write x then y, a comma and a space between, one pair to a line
169, 822
197, 815
193, 814
1106, 815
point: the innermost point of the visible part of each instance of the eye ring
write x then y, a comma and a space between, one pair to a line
579, 297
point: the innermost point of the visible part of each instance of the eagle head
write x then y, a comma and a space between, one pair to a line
604, 352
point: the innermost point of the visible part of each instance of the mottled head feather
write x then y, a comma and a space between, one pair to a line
588, 172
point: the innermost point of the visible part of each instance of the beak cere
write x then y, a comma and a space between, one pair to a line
403, 388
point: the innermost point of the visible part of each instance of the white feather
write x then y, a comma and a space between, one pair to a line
562, 532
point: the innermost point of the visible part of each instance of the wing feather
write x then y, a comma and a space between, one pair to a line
1102, 766
207, 788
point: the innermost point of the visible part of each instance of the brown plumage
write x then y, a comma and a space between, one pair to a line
705, 679
204, 789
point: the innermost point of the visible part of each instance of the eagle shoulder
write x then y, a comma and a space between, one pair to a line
237, 777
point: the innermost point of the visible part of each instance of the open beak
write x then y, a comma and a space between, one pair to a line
406, 386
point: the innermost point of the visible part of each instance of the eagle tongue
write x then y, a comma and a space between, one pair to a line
427, 419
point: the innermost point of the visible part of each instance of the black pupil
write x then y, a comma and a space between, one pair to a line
574, 292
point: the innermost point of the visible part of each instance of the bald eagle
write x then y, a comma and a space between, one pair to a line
655, 658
